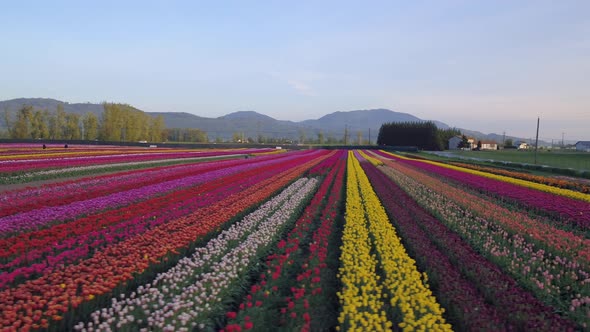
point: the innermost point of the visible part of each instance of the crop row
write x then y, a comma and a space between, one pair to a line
375, 266
40, 300
530, 283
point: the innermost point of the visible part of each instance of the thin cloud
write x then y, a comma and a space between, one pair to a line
301, 88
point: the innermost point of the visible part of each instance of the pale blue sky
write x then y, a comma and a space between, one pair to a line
491, 66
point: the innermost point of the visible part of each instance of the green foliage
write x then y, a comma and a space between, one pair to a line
464, 142
90, 125
118, 123
423, 135
186, 135
121, 122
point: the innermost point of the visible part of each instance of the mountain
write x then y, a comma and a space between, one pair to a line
252, 124
50, 104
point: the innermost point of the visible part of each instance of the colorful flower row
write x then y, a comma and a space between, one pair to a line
35, 302
519, 182
69, 242
60, 193
158, 296
92, 170
472, 301
575, 212
548, 180
312, 294
557, 241
261, 306
26, 165
414, 306
39, 218
362, 296
558, 281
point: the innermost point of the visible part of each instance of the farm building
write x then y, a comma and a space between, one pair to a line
456, 140
489, 145
583, 146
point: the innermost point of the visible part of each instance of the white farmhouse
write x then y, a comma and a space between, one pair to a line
489, 145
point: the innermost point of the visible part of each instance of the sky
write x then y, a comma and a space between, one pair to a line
492, 66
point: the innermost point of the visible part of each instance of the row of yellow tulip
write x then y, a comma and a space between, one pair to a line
367, 225
372, 160
361, 298
524, 183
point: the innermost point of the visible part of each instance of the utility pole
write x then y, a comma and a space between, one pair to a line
369, 136
504, 139
562, 140
537, 140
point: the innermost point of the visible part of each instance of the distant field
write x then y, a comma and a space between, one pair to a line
575, 160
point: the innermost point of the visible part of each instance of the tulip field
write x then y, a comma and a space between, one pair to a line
113, 238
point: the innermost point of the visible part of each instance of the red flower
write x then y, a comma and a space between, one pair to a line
306, 317
248, 325
231, 315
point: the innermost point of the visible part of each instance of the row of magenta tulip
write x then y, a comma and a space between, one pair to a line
272, 300
64, 192
57, 214
40, 251
94, 170
570, 211
555, 281
39, 301
533, 229
375, 268
11, 155
476, 295
561, 182
185, 295
512, 180
28, 165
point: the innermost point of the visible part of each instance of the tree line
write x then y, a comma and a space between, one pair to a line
423, 135
118, 122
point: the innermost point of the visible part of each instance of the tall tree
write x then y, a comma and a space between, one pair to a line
40, 124
72, 127
423, 135
57, 123
156, 128
8, 122
90, 125
23, 124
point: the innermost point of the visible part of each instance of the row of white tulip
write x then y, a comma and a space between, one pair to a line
180, 298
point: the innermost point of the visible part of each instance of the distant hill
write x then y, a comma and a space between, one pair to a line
50, 104
252, 124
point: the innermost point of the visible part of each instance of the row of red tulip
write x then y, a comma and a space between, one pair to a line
39, 301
